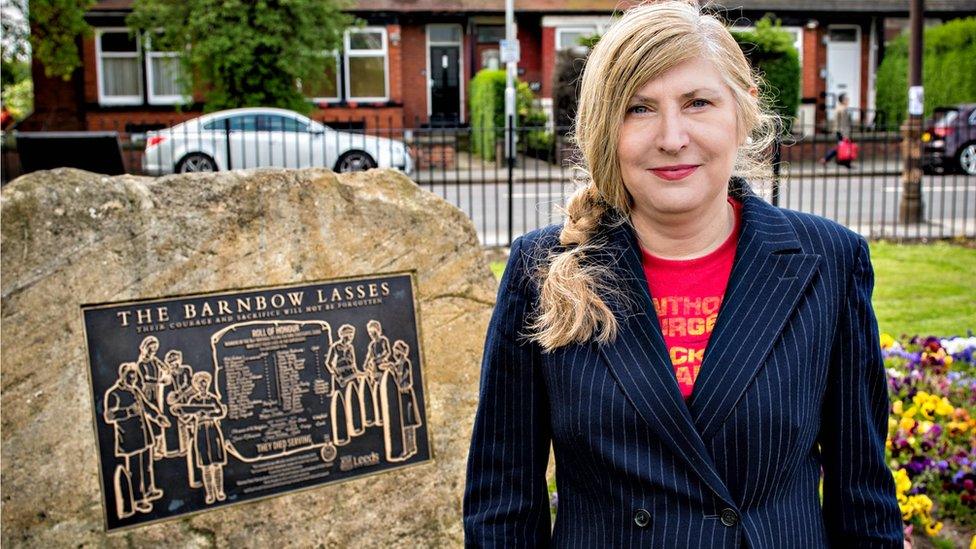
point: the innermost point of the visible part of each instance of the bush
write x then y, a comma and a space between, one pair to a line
946, 70
487, 108
771, 52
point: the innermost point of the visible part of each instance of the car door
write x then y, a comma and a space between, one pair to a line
287, 140
232, 140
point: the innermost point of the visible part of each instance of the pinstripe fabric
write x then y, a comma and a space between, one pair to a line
791, 381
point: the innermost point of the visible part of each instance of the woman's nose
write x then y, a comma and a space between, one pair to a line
672, 135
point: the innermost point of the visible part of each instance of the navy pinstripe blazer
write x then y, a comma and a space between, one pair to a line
791, 381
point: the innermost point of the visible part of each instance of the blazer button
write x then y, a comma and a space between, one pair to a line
729, 517
642, 518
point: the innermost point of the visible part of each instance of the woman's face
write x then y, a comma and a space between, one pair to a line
678, 140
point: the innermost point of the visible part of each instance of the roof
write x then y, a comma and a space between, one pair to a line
607, 6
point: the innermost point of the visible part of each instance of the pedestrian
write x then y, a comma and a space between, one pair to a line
693, 355
842, 130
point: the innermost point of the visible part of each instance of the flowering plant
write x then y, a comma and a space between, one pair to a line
932, 429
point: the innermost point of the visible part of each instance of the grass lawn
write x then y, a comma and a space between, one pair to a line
924, 289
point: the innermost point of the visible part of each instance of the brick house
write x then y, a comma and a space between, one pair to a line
410, 64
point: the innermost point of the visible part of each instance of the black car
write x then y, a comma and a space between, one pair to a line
949, 140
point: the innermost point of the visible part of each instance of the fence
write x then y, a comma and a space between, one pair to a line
468, 169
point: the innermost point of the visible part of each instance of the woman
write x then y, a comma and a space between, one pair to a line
208, 439
671, 427
842, 128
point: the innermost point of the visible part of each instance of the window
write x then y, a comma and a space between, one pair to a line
246, 123
163, 72
365, 64
121, 60
570, 37
277, 123
119, 67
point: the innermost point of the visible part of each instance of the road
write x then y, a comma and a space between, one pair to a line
867, 204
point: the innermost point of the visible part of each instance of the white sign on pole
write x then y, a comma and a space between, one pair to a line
509, 51
916, 100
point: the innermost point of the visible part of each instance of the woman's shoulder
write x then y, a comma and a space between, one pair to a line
822, 236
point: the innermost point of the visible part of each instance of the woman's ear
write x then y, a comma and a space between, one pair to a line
754, 91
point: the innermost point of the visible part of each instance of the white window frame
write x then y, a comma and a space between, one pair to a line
152, 98
560, 31
104, 99
430, 83
338, 80
349, 53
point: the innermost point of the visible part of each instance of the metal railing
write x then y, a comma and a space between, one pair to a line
468, 169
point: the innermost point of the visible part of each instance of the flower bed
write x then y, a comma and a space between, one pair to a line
932, 430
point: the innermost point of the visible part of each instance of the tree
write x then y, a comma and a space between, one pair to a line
55, 26
244, 53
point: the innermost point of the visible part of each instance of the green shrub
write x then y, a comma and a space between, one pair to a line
487, 108
772, 54
946, 70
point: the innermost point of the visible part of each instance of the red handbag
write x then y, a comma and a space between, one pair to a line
846, 150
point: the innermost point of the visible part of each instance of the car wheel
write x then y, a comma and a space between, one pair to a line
196, 162
967, 159
354, 161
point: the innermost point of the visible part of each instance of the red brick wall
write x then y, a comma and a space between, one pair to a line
90, 64
530, 54
413, 67
393, 64
813, 60
548, 60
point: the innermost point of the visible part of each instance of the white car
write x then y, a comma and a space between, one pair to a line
266, 137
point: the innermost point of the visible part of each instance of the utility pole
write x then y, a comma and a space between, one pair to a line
911, 209
510, 56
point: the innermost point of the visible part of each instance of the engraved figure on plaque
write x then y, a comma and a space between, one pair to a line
346, 405
132, 414
179, 390
206, 411
377, 353
152, 372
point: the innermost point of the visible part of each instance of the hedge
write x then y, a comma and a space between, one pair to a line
487, 107
947, 70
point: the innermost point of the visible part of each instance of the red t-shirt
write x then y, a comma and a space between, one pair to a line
687, 295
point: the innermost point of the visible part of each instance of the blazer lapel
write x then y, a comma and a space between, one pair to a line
638, 359
768, 277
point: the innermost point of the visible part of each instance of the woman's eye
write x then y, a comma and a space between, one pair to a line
699, 103
638, 109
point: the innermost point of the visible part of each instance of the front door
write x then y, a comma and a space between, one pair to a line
445, 88
844, 67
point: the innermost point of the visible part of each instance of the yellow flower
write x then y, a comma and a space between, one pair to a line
896, 407
933, 529
910, 412
944, 407
906, 424
902, 482
887, 341
924, 427
972, 543
948, 360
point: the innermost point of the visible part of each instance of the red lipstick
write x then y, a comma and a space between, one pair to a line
674, 173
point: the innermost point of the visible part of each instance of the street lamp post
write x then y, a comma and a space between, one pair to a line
911, 209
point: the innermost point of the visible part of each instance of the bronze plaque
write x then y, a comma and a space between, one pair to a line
206, 400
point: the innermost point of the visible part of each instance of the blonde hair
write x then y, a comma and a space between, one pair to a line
645, 42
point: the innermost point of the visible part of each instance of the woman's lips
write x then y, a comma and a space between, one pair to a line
674, 173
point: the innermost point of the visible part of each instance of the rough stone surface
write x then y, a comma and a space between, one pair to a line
72, 237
